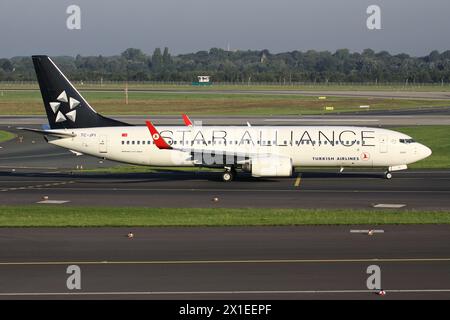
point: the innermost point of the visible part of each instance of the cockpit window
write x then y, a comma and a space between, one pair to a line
407, 141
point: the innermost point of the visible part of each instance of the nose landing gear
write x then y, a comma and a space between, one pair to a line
387, 175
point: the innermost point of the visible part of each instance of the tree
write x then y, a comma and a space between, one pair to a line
166, 58
157, 59
6, 65
314, 66
433, 56
133, 54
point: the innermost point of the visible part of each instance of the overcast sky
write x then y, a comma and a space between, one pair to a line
110, 26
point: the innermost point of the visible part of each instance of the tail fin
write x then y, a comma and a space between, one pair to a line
65, 106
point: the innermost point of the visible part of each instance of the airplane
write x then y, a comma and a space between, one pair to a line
264, 151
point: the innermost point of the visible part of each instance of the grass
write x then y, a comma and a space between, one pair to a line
49, 216
152, 103
5, 136
437, 138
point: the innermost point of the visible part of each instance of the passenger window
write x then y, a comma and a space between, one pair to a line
132, 142
128, 142
123, 142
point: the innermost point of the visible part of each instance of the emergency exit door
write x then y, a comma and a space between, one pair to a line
383, 144
103, 144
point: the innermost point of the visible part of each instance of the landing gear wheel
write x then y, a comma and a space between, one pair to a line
387, 175
228, 176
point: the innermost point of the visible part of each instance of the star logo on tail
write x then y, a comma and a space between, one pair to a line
72, 104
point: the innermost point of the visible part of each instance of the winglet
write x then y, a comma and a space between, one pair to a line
159, 141
187, 121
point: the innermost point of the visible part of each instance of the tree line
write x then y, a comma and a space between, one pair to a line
245, 66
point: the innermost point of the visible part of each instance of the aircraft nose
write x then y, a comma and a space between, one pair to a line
426, 152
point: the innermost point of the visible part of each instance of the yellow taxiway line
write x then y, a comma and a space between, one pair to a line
298, 180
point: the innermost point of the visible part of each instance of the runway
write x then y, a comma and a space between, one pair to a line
226, 263
426, 190
403, 117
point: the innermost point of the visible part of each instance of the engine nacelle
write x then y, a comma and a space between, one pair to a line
271, 167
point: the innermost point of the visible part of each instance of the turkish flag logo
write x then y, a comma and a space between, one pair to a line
124, 134
365, 156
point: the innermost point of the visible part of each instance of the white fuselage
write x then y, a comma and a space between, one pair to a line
304, 145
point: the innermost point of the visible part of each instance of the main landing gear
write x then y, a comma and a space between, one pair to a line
229, 174
387, 175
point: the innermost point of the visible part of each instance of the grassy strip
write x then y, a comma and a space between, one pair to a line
29, 103
5, 136
60, 216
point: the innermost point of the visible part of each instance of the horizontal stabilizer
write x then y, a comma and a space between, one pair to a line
53, 133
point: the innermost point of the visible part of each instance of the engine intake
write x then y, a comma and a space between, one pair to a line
270, 167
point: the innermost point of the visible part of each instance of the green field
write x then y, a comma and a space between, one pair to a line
157, 103
5, 136
50, 216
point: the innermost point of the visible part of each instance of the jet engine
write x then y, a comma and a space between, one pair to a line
269, 167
